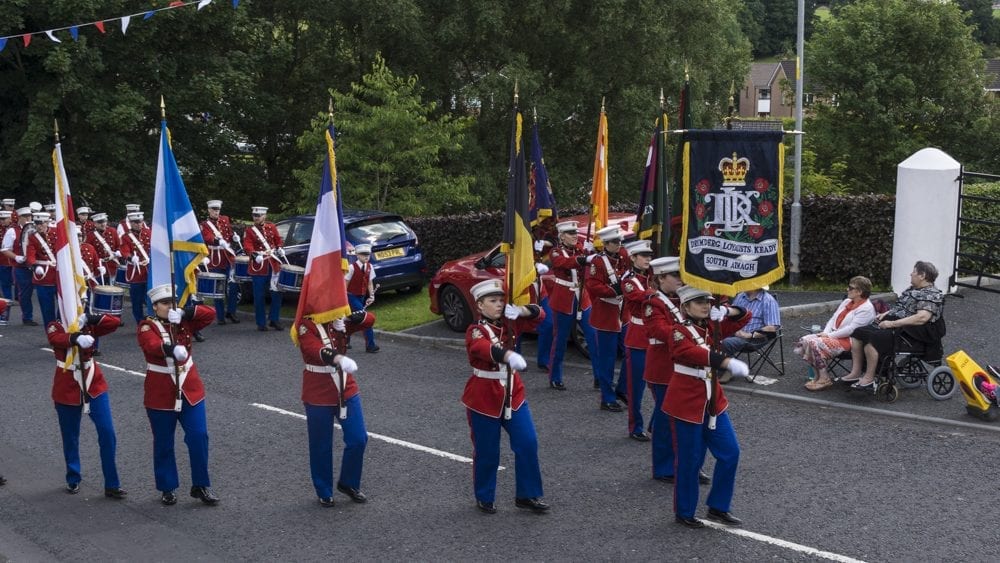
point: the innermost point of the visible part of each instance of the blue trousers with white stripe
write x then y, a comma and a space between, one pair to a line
319, 423
69, 426
485, 432
195, 425
691, 441
662, 439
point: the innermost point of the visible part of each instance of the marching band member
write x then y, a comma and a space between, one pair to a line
83, 219
124, 224
79, 388
8, 204
263, 243
15, 246
603, 285
174, 392
490, 345
41, 258
636, 289
217, 230
6, 260
697, 406
135, 252
360, 280
105, 241
567, 260
324, 348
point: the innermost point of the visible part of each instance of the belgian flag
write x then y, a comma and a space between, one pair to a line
517, 243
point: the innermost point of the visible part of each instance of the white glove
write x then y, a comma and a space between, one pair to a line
118, 254
224, 244
339, 325
738, 368
542, 269
516, 361
81, 320
280, 252
135, 259
101, 270
175, 316
719, 313
259, 259
588, 246
347, 364
539, 245
85, 341
180, 353
369, 301
205, 261
590, 258
511, 311
236, 237
19, 259
39, 271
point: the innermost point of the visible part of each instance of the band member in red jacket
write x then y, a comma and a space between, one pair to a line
217, 230
490, 345
105, 241
697, 406
40, 256
78, 388
135, 252
566, 299
360, 279
174, 392
636, 289
264, 245
603, 285
324, 348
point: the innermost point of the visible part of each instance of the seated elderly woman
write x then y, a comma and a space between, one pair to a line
916, 313
818, 349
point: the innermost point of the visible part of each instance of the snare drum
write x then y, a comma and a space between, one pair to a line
120, 277
241, 272
211, 284
107, 300
290, 278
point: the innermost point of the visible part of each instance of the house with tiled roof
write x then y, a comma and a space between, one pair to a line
769, 90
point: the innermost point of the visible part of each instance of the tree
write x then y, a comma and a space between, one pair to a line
772, 25
981, 15
390, 150
898, 76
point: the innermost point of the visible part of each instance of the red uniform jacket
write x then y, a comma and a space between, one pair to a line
359, 276
160, 388
4, 260
219, 258
106, 242
43, 255
635, 291
89, 256
486, 343
87, 227
567, 277
658, 325
253, 244
319, 387
133, 273
602, 277
66, 389
687, 396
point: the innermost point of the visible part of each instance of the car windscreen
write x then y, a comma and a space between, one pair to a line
381, 230
298, 232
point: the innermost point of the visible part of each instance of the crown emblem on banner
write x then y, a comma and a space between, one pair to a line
734, 170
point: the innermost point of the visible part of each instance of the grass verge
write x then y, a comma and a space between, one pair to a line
393, 311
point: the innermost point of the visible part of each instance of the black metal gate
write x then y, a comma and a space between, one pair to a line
977, 240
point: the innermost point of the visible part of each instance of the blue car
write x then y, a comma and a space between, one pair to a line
396, 256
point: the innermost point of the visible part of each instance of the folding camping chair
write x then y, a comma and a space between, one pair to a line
762, 356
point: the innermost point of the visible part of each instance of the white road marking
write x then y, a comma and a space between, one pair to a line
781, 543
387, 439
111, 367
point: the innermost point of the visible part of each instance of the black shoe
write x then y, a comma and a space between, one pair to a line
613, 407
168, 498
487, 507
689, 522
356, 495
372, 349
533, 504
205, 495
2, 481
198, 337
665, 478
276, 325
261, 328
704, 479
597, 384
115, 492
73, 488
724, 517
29, 323
557, 386
232, 318
622, 397
221, 322
639, 436
326, 502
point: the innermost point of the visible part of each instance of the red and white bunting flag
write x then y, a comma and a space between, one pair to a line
125, 22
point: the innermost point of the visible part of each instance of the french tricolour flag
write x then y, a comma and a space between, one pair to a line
324, 291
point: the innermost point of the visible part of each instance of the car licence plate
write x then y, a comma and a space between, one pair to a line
391, 253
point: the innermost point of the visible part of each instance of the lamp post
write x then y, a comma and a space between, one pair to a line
794, 275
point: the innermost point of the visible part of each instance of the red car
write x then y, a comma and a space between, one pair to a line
450, 288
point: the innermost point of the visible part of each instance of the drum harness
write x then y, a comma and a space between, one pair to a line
267, 250
573, 283
142, 252
48, 252
171, 368
107, 247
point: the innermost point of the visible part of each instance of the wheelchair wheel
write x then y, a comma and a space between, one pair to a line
941, 383
886, 393
909, 381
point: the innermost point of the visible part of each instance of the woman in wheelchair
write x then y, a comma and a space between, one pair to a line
911, 321
818, 349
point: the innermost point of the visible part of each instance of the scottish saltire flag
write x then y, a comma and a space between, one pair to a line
541, 202
71, 284
176, 248
517, 244
654, 208
599, 189
324, 291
